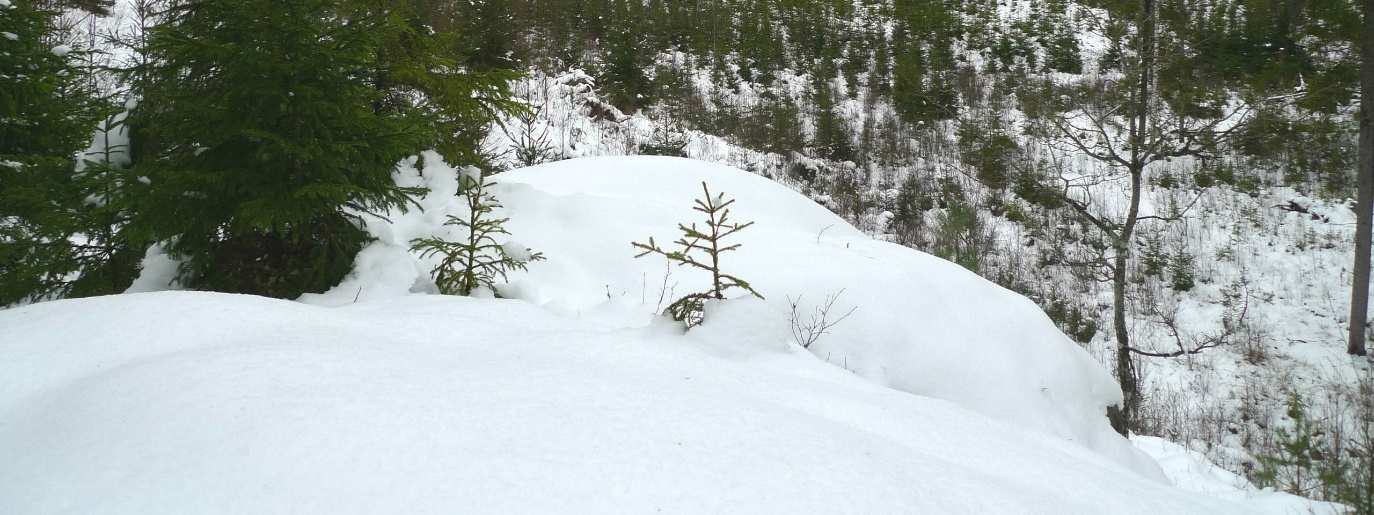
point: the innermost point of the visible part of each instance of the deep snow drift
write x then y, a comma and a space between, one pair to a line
577, 399
921, 325
187, 402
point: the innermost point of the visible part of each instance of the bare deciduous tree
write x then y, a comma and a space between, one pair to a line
1125, 128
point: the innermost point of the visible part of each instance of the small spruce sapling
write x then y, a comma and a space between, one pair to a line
478, 260
531, 143
666, 142
1301, 463
702, 248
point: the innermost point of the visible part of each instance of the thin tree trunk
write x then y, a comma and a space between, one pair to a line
1124, 418
1364, 206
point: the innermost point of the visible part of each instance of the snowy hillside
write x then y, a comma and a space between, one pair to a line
1049, 256
917, 320
572, 397
1269, 262
1258, 260
203, 403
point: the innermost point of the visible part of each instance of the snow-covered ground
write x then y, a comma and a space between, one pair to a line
188, 402
1287, 270
569, 396
917, 321
921, 326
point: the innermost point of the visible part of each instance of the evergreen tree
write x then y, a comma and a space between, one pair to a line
487, 35
831, 139
624, 81
1059, 39
919, 93
702, 248
908, 221
52, 233
273, 126
987, 148
782, 125
476, 260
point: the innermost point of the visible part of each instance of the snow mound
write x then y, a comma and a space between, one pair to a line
1192, 471
192, 402
920, 324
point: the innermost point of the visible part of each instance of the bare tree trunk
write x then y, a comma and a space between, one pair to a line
1364, 206
1124, 418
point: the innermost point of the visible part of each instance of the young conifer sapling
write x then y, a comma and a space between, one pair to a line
702, 248
477, 260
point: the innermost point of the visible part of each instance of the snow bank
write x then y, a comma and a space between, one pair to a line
192, 402
1192, 471
922, 325
370, 398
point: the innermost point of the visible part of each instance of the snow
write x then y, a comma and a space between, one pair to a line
1299, 271
194, 402
570, 395
158, 272
919, 319
109, 144
517, 251
1192, 471
1295, 267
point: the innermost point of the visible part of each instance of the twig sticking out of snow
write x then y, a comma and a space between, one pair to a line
807, 330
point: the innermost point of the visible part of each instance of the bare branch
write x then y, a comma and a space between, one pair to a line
807, 330
1194, 345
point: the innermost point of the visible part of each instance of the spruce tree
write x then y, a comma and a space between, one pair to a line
476, 260
486, 33
273, 126
832, 140
702, 248
51, 229
624, 80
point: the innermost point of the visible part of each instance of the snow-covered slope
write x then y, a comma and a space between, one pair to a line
1269, 262
185, 402
572, 397
920, 325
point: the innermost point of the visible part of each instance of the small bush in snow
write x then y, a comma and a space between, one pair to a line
808, 329
477, 260
702, 248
